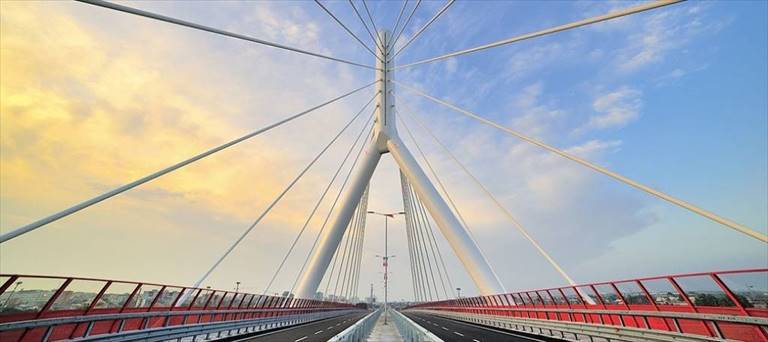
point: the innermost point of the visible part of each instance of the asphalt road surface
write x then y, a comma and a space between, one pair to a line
316, 331
450, 330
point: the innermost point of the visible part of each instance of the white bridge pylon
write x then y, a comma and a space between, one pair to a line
386, 140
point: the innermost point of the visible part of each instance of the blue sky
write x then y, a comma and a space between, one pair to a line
674, 98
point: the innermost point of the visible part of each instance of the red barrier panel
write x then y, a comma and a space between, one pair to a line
641, 303
30, 297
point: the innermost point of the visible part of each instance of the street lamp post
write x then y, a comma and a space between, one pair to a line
386, 256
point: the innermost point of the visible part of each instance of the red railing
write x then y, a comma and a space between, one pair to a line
30, 298
641, 303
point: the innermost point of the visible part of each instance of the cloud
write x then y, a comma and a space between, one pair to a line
594, 147
614, 109
650, 44
537, 119
662, 33
450, 66
524, 62
98, 107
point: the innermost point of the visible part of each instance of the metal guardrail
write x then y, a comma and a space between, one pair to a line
411, 331
723, 305
572, 331
215, 330
360, 330
37, 308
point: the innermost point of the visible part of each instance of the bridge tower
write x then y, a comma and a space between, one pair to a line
386, 140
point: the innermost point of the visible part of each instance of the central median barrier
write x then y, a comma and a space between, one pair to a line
360, 330
412, 331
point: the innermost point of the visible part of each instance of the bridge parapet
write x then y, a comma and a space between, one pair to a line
725, 305
36, 308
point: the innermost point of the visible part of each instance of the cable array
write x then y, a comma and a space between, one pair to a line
424, 254
188, 24
424, 27
362, 21
279, 197
109, 194
317, 204
425, 257
593, 20
685, 205
330, 211
408, 20
349, 258
338, 21
493, 198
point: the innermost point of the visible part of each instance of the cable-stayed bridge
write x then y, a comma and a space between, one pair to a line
683, 307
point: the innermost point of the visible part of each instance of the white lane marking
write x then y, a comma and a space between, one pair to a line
444, 328
301, 339
317, 332
475, 340
458, 333
497, 330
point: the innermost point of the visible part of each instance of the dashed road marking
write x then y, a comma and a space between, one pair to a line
301, 339
475, 340
458, 333
317, 332
444, 328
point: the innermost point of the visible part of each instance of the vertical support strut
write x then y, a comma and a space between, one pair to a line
330, 240
462, 243
384, 140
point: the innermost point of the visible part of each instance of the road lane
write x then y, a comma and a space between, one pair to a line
310, 332
450, 330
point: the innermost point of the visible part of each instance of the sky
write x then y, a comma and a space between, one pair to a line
675, 98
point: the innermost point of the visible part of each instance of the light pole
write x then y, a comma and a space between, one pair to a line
237, 286
459, 295
386, 256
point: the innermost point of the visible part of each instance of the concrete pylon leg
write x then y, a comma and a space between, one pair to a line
462, 243
330, 240
385, 139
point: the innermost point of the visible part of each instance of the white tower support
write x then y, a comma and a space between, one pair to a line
385, 139
331, 238
462, 243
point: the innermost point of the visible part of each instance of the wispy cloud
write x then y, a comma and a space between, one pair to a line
535, 117
614, 109
71, 130
662, 33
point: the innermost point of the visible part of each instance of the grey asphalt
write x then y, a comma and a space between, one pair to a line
311, 332
451, 330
